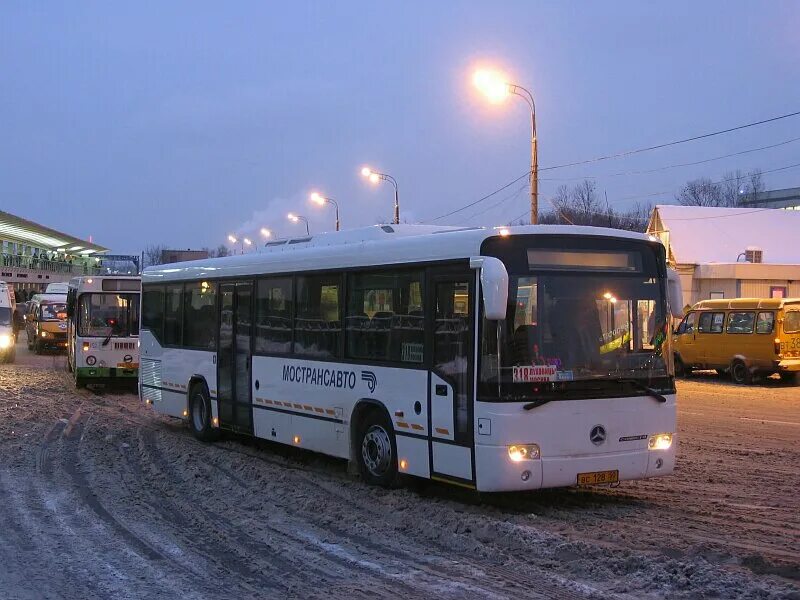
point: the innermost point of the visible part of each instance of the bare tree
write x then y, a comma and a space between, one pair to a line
700, 192
152, 255
734, 188
581, 205
222, 250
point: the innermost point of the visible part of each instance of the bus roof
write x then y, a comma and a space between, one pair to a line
375, 245
747, 303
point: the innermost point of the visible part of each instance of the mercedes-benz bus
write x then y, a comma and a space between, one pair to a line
103, 329
492, 358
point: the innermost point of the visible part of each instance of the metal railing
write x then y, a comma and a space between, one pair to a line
36, 263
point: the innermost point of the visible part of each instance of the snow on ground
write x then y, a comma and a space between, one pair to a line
101, 498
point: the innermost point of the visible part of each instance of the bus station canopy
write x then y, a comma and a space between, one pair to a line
19, 230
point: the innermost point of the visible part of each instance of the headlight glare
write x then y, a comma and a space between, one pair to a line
519, 452
5, 341
660, 441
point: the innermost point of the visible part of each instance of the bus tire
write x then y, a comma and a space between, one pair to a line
740, 374
790, 377
377, 450
200, 414
80, 382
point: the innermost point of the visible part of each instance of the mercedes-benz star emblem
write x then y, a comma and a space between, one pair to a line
597, 435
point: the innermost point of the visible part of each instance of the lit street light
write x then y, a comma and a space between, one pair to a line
266, 232
496, 88
295, 218
322, 200
244, 241
375, 177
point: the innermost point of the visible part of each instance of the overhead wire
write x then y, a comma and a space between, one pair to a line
628, 153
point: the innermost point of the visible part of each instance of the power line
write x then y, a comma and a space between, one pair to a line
619, 155
486, 197
673, 143
720, 182
673, 166
511, 196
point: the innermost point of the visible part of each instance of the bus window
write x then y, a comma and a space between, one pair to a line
200, 324
173, 315
316, 324
153, 310
385, 318
274, 315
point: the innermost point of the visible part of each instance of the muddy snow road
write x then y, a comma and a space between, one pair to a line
100, 498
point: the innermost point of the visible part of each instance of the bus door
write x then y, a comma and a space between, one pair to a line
234, 356
451, 294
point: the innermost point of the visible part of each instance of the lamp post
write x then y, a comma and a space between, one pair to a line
242, 243
495, 87
375, 177
322, 200
295, 218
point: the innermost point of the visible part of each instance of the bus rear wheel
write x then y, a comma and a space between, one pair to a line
377, 451
200, 414
740, 374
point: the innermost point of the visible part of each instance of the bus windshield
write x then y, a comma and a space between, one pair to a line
108, 315
576, 332
5, 315
54, 312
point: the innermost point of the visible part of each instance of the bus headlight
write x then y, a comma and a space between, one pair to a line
660, 441
5, 341
519, 452
44, 334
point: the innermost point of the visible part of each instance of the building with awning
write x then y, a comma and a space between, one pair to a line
33, 255
730, 252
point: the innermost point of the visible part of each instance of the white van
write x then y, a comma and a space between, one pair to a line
57, 288
8, 341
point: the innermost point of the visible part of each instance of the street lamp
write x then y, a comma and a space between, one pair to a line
266, 232
242, 243
496, 89
295, 218
322, 200
375, 177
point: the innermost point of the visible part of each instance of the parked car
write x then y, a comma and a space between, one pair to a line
743, 337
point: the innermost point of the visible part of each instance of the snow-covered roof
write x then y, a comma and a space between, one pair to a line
703, 234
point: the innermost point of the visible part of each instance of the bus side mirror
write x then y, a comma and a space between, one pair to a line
494, 285
674, 293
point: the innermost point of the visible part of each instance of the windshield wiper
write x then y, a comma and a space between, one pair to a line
108, 339
535, 404
639, 385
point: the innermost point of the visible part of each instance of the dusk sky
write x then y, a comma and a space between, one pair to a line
178, 123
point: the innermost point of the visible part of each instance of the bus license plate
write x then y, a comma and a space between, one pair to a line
130, 365
598, 477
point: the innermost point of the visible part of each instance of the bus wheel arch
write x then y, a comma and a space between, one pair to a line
373, 446
198, 408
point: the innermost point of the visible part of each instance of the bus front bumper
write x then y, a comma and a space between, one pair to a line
106, 373
495, 472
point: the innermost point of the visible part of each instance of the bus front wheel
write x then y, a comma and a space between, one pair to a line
377, 451
200, 414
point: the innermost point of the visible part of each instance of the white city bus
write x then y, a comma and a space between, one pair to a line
496, 359
103, 329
